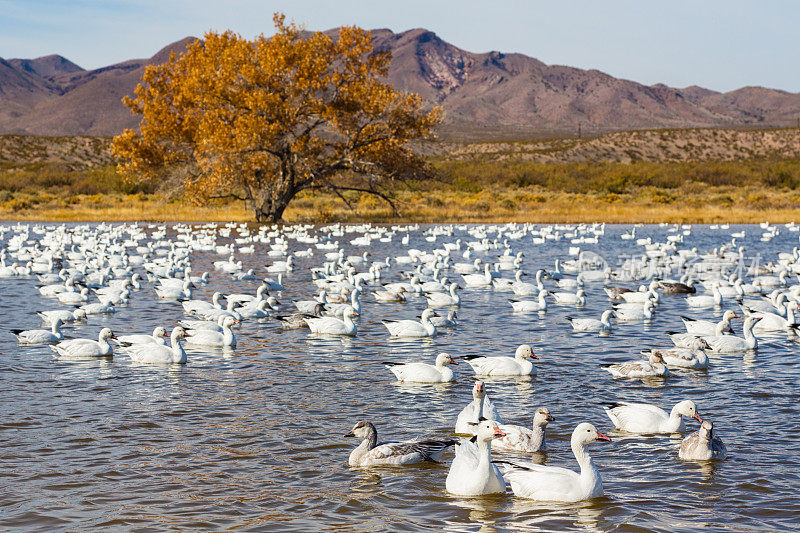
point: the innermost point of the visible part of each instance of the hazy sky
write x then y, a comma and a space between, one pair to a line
719, 44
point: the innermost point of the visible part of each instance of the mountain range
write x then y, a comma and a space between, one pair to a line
485, 96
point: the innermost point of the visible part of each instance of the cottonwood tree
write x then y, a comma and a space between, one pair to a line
262, 120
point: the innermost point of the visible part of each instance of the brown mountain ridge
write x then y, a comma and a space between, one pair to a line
485, 95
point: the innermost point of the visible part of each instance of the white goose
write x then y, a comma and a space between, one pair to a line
207, 337
154, 353
472, 472
40, 336
592, 324
640, 312
158, 337
708, 327
527, 306
702, 445
65, 316
519, 365
694, 357
570, 298
412, 328
74, 298
522, 439
551, 483
653, 367
643, 418
195, 306
704, 300
441, 299
480, 407
370, 453
423, 372
333, 326
86, 347
479, 280
734, 344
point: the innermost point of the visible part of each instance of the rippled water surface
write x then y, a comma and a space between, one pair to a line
251, 439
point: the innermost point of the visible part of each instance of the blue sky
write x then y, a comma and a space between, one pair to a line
717, 44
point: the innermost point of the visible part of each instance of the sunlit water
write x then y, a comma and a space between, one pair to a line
252, 439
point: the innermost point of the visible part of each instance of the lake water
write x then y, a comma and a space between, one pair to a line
251, 439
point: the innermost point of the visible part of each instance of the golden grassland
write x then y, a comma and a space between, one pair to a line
478, 187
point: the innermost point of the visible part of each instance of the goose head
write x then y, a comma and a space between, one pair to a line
444, 359
688, 409
479, 390
159, 332
700, 344
362, 430
542, 417
655, 358
106, 334
427, 314
706, 431
524, 351
178, 333
729, 315
586, 433
228, 321
487, 431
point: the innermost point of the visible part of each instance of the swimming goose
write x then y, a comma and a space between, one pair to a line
154, 353
440, 299
333, 326
479, 280
707, 327
207, 337
158, 337
370, 453
86, 347
296, 320
307, 306
472, 472
639, 312
519, 365
449, 321
523, 306
175, 293
412, 328
480, 407
551, 483
528, 289
570, 298
40, 336
773, 321
704, 300
65, 316
423, 372
74, 298
522, 439
732, 343
195, 306
648, 419
390, 296
653, 367
702, 445
694, 357
592, 324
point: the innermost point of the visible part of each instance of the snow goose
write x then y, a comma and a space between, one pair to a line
390, 296
296, 320
592, 324
570, 298
694, 357
702, 445
527, 306
708, 327
242, 299
175, 293
503, 284
528, 289
370, 453
649, 419
195, 306
412, 328
480, 407
704, 300
640, 312
522, 439
307, 306
207, 337
519, 365
472, 472
732, 343
65, 316
274, 285
551, 483
153, 353
40, 336
479, 280
86, 347
333, 326
653, 367
423, 372
773, 321
440, 299
258, 310
74, 298
449, 321
158, 337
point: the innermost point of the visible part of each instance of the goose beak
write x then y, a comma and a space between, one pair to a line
697, 416
551, 418
602, 437
498, 433
349, 434
534, 355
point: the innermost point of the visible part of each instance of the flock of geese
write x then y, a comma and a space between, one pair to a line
86, 270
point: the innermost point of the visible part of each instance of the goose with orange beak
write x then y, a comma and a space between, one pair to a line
472, 472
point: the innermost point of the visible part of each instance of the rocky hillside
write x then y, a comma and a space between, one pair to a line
491, 95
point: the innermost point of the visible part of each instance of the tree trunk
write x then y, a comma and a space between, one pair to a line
272, 208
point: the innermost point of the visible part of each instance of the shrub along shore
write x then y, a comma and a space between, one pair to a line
473, 189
